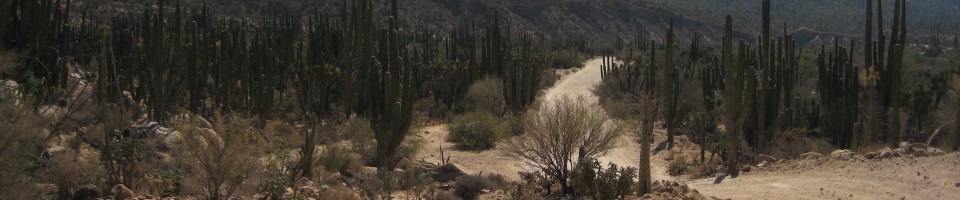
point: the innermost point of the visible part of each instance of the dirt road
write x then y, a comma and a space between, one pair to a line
912, 178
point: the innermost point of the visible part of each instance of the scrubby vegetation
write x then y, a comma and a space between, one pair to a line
559, 131
172, 98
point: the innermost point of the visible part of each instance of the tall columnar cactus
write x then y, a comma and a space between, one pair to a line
838, 88
672, 112
392, 97
521, 76
887, 60
733, 80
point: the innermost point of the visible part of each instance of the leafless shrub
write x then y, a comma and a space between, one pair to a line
487, 95
560, 129
222, 171
21, 134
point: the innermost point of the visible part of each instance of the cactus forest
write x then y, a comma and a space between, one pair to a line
479, 99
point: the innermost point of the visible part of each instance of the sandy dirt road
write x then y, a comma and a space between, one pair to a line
912, 178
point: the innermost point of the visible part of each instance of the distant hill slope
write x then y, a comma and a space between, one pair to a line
616, 19
835, 16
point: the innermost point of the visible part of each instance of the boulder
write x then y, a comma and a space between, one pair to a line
903, 145
842, 154
935, 151
811, 155
121, 192
899, 152
762, 164
147, 130
870, 155
765, 158
449, 172
332, 177
87, 192
885, 153
171, 140
10, 90
203, 123
307, 187
404, 164
208, 137
51, 112
920, 153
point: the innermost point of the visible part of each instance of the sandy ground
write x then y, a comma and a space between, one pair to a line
912, 178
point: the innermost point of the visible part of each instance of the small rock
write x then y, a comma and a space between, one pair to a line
811, 155
870, 155
903, 145
920, 153
765, 158
762, 164
956, 184
746, 169
87, 192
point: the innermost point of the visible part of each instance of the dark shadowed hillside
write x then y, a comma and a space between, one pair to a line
610, 19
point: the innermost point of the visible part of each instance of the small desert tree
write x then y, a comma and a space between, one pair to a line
560, 129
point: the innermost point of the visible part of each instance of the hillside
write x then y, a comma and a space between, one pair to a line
835, 16
612, 19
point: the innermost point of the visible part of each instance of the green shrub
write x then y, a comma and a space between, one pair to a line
589, 179
164, 182
468, 187
487, 95
566, 59
476, 130
360, 134
677, 167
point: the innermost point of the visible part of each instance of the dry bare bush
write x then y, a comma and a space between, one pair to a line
222, 170
561, 130
487, 95
21, 132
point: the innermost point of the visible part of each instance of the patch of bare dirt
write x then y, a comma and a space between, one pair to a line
826, 178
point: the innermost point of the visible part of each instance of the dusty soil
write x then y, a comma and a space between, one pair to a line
912, 178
